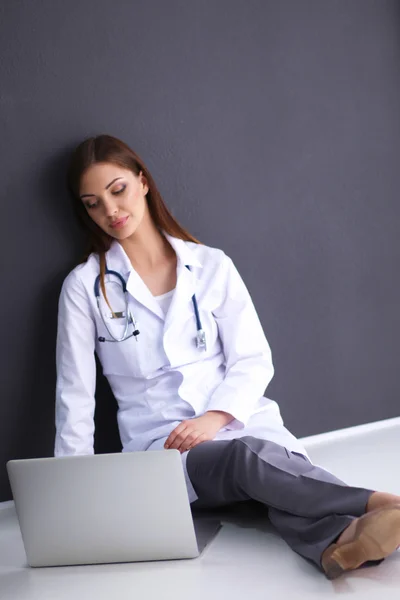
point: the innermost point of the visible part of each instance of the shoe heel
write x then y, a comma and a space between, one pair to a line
350, 556
332, 569
339, 559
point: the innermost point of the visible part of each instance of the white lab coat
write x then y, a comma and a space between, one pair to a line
162, 378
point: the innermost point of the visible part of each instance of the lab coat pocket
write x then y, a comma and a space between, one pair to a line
138, 356
120, 358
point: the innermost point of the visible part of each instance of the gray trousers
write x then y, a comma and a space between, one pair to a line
307, 505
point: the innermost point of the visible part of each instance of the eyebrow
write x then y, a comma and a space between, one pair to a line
106, 188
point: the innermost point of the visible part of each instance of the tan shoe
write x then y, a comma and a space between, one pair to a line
377, 534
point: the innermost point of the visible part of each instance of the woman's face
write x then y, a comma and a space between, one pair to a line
115, 198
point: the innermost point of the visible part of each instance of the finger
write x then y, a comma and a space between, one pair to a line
201, 438
189, 440
178, 439
172, 436
181, 437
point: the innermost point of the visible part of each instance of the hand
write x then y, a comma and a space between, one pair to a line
192, 432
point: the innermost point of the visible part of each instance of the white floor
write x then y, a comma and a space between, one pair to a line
247, 558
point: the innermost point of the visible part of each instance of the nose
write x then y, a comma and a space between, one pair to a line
110, 206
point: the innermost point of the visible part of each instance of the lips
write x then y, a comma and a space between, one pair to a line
119, 223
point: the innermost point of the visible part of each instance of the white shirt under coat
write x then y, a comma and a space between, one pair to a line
163, 378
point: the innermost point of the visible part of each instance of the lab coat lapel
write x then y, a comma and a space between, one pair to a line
185, 288
139, 290
117, 260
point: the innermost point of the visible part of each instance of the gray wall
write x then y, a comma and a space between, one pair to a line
273, 131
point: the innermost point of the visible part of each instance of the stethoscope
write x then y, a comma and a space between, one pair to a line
129, 319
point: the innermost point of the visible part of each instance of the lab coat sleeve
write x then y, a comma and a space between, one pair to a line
248, 359
76, 371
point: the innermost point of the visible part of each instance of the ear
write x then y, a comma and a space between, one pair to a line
144, 183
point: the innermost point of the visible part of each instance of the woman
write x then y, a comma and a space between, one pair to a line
192, 367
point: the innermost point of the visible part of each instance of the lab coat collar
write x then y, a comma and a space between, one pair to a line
183, 252
117, 260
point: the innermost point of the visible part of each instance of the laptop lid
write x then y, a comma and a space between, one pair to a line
103, 508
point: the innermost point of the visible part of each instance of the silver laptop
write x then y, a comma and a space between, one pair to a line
106, 508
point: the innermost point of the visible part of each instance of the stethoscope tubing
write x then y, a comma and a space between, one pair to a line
200, 339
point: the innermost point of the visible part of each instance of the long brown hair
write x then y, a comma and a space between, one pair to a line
109, 149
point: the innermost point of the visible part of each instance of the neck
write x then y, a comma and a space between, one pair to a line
147, 248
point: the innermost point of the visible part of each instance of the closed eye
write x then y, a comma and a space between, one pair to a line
121, 190
114, 194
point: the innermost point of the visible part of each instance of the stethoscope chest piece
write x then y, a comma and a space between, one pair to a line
201, 339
